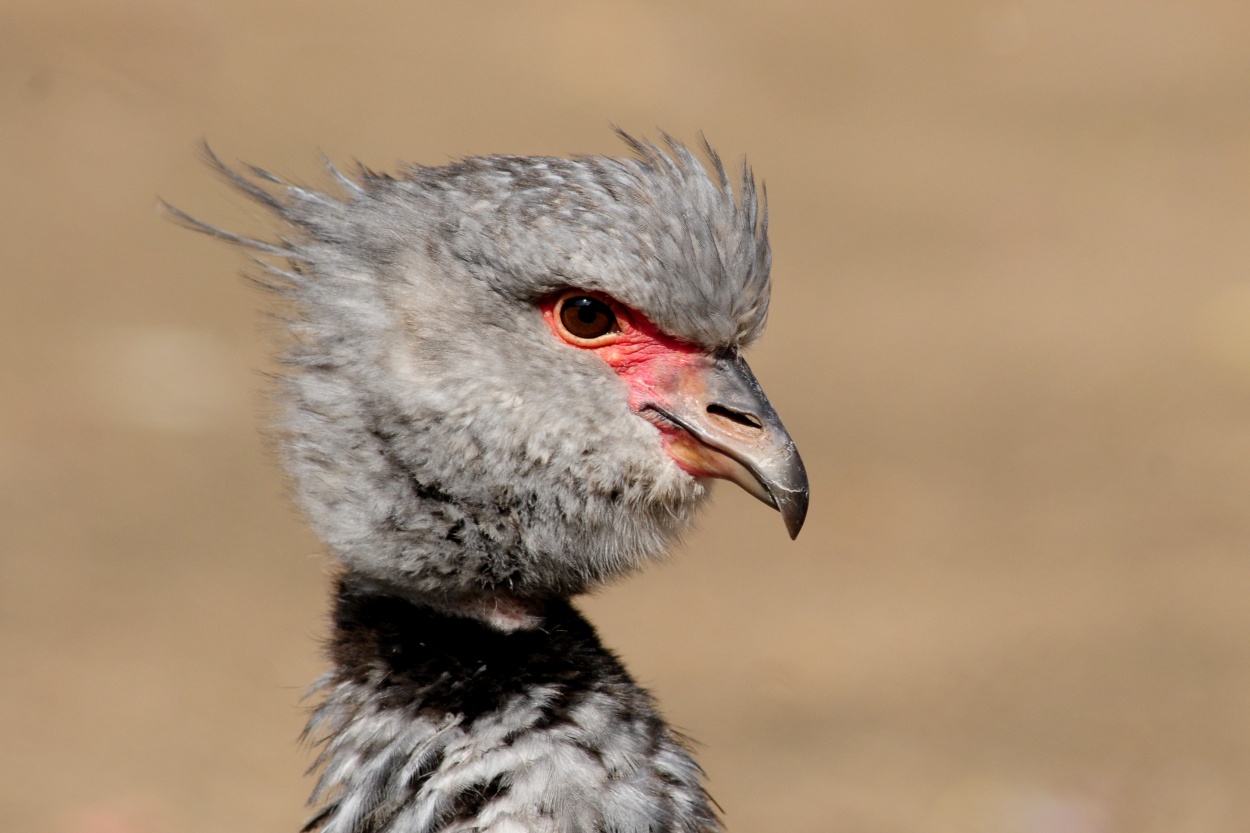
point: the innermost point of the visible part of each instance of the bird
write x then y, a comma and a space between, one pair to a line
507, 381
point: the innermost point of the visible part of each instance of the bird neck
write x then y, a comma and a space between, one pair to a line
497, 609
434, 720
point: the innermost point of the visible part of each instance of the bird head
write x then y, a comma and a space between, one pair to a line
519, 375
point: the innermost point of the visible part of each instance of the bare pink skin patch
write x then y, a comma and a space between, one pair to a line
655, 366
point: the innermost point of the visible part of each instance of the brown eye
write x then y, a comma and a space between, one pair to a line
587, 317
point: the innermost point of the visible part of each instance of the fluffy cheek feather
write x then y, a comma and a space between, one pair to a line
545, 479
443, 465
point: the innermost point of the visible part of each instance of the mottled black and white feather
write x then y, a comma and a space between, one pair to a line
438, 722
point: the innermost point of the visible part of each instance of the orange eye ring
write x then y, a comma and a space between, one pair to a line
587, 320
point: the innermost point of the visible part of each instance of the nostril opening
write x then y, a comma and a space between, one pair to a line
734, 416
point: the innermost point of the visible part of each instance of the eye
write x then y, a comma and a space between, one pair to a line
586, 317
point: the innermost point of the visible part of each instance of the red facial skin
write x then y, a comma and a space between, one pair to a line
650, 362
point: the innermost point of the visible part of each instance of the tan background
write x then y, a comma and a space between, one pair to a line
1011, 334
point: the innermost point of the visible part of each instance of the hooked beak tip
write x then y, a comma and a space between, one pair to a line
791, 502
794, 514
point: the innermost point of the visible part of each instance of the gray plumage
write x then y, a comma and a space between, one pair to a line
458, 460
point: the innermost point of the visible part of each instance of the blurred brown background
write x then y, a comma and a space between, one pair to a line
1011, 334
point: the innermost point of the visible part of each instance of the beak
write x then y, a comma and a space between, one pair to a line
728, 429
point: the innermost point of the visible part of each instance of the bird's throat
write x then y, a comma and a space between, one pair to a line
506, 612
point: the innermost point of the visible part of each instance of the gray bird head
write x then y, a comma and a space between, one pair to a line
454, 418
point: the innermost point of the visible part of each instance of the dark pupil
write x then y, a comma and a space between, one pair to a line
587, 317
